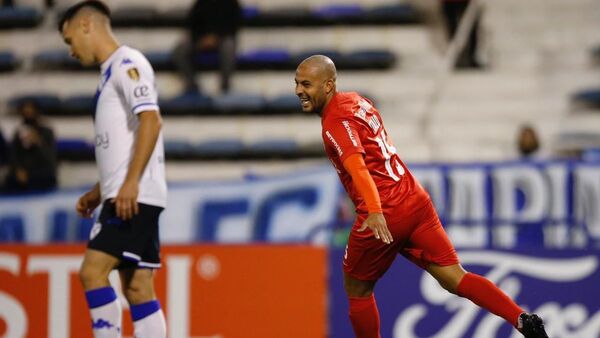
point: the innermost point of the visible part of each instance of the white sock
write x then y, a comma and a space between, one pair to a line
148, 320
106, 313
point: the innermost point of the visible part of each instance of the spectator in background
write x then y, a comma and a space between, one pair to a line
32, 155
527, 142
212, 27
454, 11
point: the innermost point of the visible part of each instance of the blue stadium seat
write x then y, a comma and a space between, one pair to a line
49, 104
187, 104
80, 105
340, 13
283, 105
367, 59
588, 98
283, 17
178, 149
333, 54
8, 61
12, 229
57, 60
19, 17
273, 148
392, 14
160, 60
265, 58
135, 16
239, 104
250, 12
75, 150
230, 149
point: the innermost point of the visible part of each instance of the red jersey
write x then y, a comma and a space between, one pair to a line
352, 125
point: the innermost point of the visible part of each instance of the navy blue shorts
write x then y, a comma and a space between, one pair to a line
134, 242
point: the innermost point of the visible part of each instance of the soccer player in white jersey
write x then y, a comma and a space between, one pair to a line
132, 187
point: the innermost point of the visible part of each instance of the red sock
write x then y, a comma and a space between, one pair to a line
487, 295
364, 317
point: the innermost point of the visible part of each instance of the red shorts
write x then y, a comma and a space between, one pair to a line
418, 236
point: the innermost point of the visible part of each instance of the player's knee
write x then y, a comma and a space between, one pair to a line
89, 277
448, 286
357, 288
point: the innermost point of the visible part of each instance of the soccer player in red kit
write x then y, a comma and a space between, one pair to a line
394, 213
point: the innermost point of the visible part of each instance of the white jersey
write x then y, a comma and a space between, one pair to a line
126, 89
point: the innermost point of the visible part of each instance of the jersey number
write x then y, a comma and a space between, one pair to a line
388, 151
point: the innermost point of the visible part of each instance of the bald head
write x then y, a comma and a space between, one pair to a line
315, 83
320, 64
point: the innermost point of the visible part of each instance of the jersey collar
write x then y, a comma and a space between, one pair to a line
330, 105
110, 59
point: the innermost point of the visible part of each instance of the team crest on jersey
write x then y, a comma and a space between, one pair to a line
95, 230
133, 74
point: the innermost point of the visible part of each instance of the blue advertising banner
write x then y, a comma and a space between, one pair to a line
504, 205
298, 207
562, 286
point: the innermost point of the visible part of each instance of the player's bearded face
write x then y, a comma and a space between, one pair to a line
311, 92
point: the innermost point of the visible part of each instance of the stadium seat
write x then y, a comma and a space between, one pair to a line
48, 103
19, 17
135, 16
239, 104
160, 60
228, 149
75, 150
589, 98
178, 149
273, 148
187, 104
57, 60
367, 59
282, 17
391, 14
8, 61
79, 105
340, 14
283, 105
265, 58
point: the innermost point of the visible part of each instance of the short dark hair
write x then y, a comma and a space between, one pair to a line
71, 11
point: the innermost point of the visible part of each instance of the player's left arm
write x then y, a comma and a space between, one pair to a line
364, 183
148, 131
136, 80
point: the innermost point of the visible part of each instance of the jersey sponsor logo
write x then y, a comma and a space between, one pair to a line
334, 142
363, 107
141, 91
103, 324
133, 74
126, 61
102, 140
350, 134
374, 123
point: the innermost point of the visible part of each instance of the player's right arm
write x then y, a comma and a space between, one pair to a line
88, 202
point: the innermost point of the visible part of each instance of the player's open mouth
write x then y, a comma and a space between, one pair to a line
304, 101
